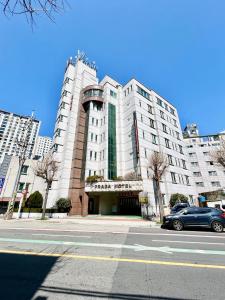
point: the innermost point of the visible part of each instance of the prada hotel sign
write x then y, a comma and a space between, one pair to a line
116, 186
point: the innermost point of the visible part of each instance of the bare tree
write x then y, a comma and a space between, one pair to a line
46, 169
219, 155
158, 164
32, 8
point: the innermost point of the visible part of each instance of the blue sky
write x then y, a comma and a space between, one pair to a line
175, 47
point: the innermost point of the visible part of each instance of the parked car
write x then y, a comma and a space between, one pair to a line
179, 206
196, 216
3, 210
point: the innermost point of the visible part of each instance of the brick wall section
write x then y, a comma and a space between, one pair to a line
79, 198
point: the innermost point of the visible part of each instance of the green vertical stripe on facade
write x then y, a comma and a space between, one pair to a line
112, 168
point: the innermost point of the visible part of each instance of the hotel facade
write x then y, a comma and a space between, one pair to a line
108, 129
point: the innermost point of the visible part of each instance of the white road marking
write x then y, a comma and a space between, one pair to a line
135, 247
215, 236
186, 242
64, 235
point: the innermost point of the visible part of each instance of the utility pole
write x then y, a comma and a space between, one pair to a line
22, 146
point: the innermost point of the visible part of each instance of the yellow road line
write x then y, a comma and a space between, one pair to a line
115, 259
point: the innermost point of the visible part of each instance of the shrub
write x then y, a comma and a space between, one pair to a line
119, 178
176, 198
35, 200
63, 204
94, 178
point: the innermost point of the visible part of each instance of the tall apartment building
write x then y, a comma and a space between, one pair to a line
11, 130
42, 146
109, 129
207, 175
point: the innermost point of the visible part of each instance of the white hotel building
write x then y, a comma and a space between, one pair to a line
107, 129
207, 175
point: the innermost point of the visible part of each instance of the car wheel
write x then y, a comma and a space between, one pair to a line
217, 226
178, 225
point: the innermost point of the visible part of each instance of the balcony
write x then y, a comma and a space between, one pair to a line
92, 93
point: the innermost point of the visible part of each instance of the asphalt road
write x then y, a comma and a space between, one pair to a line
122, 263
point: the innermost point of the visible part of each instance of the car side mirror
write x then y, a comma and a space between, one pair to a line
185, 212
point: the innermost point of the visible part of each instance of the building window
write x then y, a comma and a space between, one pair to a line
187, 180
159, 102
212, 173
21, 186
60, 119
92, 136
166, 106
170, 159
184, 164
143, 134
154, 139
145, 153
55, 147
152, 123
167, 143
210, 163
162, 115
24, 170
178, 135
181, 149
92, 121
173, 177
150, 109
90, 155
197, 174
89, 174
172, 111
215, 183
164, 128
194, 163
175, 123
205, 153
113, 94
95, 155
143, 93
141, 118
192, 154
201, 184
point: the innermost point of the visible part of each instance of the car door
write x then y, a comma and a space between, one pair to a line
203, 216
189, 216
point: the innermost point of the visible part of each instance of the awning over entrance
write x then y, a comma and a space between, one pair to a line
114, 197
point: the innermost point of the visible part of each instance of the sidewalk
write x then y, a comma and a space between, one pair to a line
70, 222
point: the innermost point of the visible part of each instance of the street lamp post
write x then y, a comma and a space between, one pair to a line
22, 144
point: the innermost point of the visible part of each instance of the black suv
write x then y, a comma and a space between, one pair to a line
196, 216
